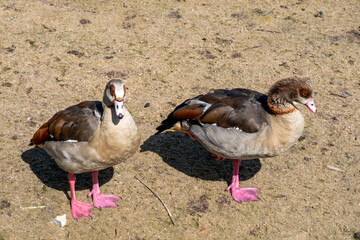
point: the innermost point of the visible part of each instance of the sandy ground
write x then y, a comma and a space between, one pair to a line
56, 53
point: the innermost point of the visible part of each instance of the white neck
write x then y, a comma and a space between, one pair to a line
285, 130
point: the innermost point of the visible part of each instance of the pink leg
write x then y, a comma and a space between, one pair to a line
101, 200
191, 136
78, 209
241, 194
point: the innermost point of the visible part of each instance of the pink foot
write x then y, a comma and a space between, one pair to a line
243, 194
80, 209
103, 201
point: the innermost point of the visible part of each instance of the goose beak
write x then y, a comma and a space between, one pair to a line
311, 105
119, 108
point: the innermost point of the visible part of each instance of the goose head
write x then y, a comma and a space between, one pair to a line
114, 96
289, 90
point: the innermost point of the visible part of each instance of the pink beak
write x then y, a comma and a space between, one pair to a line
311, 105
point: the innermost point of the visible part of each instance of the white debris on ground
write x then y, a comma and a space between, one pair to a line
60, 220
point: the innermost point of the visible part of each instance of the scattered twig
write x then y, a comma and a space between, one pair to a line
33, 207
163, 203
334, 168
337, 95
343, 95
248, 48
264, 30
202, 230
325, 132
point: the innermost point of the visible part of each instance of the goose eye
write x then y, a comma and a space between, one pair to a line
305, 93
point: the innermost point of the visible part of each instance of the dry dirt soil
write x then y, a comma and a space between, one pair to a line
56, 53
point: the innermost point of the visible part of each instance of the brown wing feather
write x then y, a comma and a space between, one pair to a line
237, 108
212, 98
65, 131
78, 122
217, 114
189, 112
41, 135
53, 126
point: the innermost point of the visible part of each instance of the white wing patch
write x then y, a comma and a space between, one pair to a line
214, 124
97, 114
196, 101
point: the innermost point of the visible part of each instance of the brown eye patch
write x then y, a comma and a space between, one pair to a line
305, 93
112, 90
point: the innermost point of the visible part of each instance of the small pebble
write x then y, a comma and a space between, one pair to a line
301, 138
127, 25
319, 14
147, 105
76, 53
9, 49
7, 84
84, 21
4, 204
29, 90
236, 55
253, 232
174, 15
237, 15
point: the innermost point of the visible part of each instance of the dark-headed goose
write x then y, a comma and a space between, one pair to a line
244, 124
89, 137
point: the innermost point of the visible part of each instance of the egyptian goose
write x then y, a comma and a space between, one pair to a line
89, 137
244, 124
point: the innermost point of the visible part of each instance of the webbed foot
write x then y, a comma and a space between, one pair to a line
243, 194
103, 201
80, 209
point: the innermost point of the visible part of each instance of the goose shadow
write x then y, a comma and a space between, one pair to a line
50, 174
190, 157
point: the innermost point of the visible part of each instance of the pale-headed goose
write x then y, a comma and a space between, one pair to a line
244, 124
89, 137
